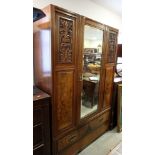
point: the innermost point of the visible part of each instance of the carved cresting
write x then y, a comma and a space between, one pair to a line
65, 40
112, 47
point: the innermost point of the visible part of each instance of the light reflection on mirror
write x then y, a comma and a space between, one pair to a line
93, 39
46, 54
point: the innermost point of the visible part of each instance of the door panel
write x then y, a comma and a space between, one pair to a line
66, 35
112, 45
64, 91
109, 76
64, 70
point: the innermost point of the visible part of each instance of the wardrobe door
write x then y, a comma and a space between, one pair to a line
64, 70
91, 62
111, 50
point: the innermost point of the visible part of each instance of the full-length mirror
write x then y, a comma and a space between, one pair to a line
93, 39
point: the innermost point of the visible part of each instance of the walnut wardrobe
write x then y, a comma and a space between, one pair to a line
74, 62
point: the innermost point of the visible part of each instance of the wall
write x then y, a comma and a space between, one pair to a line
85, 8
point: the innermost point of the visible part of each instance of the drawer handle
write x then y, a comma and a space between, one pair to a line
101, 119
73, 138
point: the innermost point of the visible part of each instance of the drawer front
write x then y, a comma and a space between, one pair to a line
41, 127
99, 121
72, 138
85, 140
37, 115
38, 135
66, 141
39, 150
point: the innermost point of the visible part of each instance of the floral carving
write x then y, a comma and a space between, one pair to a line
65, 40
112, 47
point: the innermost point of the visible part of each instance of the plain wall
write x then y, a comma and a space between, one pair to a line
88, 9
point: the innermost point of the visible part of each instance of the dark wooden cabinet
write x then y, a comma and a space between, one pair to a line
77, 76
114, 104
41, 123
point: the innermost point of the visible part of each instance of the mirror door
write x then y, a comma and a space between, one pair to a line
91, 70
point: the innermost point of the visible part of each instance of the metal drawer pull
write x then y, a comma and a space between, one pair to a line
73, 138
101, 119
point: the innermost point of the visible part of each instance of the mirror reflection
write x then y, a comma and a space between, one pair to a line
92, 53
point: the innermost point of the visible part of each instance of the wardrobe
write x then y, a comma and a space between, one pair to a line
74, 62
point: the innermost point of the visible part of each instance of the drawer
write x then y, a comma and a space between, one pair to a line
72, 138
100, 120
38, 135
37, 115
39, 150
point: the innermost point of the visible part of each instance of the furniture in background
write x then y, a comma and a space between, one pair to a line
37, 14
119, 61
60, 69
117, 81
90, 92
119, 50
119, 108
114, 103
41, 123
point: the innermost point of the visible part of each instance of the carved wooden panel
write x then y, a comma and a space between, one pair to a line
65, 40
112, 46
109, 74
64, 99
